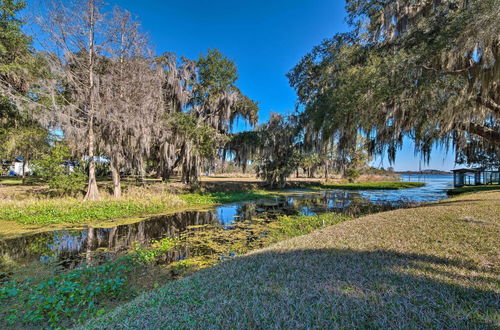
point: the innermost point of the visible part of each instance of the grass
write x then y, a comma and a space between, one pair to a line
435, 266
223, 197
9, 181
382, 185
71, 210
471, 189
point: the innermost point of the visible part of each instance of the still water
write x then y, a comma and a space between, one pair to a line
70, 248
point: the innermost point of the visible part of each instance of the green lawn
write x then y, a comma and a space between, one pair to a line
436, 266
470, 189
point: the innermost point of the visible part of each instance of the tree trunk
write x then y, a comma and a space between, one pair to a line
92, 190
115, 174
142, 170
326, 172
90, 245
223, 166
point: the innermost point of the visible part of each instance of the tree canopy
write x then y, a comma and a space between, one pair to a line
423, 69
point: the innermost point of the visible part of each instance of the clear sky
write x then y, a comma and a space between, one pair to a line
264, 38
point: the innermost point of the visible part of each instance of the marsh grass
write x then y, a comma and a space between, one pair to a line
435, 266
138, 201
71, 210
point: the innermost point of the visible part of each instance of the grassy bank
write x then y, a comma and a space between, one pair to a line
471, 189
429, 267
71, 210
42, 212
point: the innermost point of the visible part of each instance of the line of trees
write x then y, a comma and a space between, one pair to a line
97, 82
426, 69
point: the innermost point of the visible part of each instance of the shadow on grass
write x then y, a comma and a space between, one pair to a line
328, 288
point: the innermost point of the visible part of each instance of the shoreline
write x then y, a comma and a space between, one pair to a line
191, 202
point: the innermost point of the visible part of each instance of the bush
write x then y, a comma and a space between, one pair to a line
51, 169
352, 174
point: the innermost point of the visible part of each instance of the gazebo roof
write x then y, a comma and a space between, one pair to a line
466, 170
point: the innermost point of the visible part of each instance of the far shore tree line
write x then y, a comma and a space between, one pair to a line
94, 89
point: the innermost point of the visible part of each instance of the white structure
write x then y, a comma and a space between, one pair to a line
16, 167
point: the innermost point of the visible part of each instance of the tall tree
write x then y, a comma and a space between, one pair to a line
75, 40
20, 133
15, 53
131, 97
206, 91
424, 69
107, 88
279, 152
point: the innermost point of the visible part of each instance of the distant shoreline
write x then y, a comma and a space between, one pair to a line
427, 172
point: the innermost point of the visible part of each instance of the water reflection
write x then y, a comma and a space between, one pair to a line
71, 248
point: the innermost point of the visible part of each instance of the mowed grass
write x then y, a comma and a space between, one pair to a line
72, 210
471, 189
435, 266
382, 185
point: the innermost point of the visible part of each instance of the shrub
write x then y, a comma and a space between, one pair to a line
51, 169
352, 174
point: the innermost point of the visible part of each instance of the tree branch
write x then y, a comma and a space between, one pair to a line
486, 133
452, 72
490, 104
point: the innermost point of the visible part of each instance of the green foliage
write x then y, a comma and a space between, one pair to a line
292, 226
51, 169
152, 252
352, 174
67, 298
28, 141
217, 74
14, 44
221, 197
71, 210
419, 69
205, 139
279, 153
472, 189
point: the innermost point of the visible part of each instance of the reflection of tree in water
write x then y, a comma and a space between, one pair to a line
344, 202
73, 246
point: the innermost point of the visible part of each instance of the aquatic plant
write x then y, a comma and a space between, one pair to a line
157, 248
64, 299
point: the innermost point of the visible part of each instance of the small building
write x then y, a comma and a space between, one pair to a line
15, 167
473, 177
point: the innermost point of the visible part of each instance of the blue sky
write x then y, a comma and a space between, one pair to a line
264, 38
